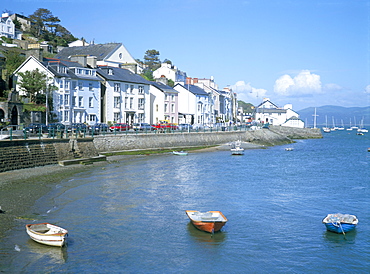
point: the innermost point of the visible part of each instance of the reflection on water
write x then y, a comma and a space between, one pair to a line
339, 239
53, 254
204, 237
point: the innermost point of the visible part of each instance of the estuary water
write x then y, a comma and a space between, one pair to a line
128, 216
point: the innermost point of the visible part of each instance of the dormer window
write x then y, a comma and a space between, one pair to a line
110, 71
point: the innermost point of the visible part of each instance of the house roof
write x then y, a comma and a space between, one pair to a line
51, 63
267, 101
194, 89
163, 87
270, 110
119, 74
101, 51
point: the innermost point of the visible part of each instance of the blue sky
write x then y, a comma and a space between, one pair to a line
308, 53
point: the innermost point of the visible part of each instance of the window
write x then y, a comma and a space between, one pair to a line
66, 115
141, 117
91, 86
165, 108
117, 102
156, 107
141, 104
61, 83
91, 102
166, 97
66, 99
126, 100
199, 107
117, 87
131, 103
92, 117
110, 71
80, 85
80, 101
126, 88
132, 89
172, 97
116, 116
74, 101
172, 108
61, 100
141, 89
66, 85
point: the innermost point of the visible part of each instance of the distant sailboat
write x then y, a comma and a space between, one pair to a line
326, 128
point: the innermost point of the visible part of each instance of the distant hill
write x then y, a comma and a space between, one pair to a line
351, 115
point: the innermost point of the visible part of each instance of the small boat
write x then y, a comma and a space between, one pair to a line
211, 221
180, 153
326, 129
237, 149
48, 234
289, 148
340, 223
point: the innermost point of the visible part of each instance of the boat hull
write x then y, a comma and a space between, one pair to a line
340, 223
337, 229
47, 234
211, 224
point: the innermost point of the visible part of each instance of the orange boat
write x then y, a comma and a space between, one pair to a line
211, 221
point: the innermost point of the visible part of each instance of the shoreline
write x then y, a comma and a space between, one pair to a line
20, 188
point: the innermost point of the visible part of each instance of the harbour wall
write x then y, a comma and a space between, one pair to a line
18, 154
276, 135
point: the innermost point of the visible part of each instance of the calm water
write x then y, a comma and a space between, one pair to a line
129, 216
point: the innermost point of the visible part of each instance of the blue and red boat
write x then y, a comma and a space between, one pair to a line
340, 223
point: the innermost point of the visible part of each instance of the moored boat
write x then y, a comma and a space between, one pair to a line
289, 149
340, 223
237, 149
48, 234
211, 221
180, 153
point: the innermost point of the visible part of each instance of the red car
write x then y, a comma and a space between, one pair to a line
119, 127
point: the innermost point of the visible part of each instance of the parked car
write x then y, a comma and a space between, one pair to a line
142, 127
98, 128
81, 127
36, 127
185, 127
120, 127
56, 126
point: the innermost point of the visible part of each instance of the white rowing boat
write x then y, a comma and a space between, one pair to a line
47, 234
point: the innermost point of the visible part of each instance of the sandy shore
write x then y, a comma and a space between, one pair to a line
19, 189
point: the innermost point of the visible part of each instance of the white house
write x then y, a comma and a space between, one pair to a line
7, 27
76, 99
164, 103
125, 96
267, 112
110, 54
194, 105
170, 72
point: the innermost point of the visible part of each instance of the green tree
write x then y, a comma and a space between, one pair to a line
151, 59
247, 107
34, 83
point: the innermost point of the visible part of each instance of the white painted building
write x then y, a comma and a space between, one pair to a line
194, 105
170, 72
267, 112
125, 96
7, 27
164, 102
76, 99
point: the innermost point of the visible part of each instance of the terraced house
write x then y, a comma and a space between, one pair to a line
77, 98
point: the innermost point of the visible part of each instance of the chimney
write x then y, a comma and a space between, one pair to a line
188, 80
81, 59
195, 80
91, 61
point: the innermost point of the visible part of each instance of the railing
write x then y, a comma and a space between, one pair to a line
19, 133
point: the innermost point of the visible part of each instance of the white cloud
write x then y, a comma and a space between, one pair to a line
367, 89
247, 93
303, 84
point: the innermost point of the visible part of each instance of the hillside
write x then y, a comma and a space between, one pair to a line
350, 115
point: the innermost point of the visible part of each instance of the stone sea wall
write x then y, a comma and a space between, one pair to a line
18, 154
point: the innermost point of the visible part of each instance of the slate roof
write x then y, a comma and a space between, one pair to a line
123, 75
50, 64
101, 51
163, 87
195, 89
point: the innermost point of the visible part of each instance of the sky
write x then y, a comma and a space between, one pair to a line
308, 53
